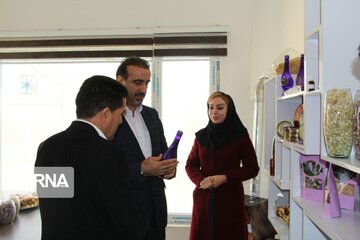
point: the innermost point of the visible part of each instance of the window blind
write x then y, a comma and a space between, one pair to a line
149, 46
204, 45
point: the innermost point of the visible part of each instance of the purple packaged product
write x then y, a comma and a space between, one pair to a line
347, 187
312, 173
171, 152
331, 207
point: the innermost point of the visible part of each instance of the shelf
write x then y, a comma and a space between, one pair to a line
324, 31
312, 59
313, 93
312, 18
294, 95
285, 110
299, 94
281, 228
269, 120
282, 167
279, 183
351, 163
342, 228
266, 172
287, 144
292, 145
299, 148
274, 192
314, 34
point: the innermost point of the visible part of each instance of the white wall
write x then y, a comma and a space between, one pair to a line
276, 27
259, 30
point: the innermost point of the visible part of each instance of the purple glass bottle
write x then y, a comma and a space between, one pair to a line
300, 77
171, 152
286, 78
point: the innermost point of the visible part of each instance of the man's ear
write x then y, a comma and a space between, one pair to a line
120, 79
105, 114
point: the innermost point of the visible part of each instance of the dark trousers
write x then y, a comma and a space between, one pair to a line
155, 233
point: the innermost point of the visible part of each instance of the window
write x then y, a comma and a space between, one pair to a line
38, 100
185, 89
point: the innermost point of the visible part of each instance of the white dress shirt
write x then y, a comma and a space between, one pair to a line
138, 127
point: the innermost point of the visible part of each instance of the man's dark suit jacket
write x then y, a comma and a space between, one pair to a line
148, 191
102, 206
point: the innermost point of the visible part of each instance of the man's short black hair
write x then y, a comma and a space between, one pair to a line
99, 92
131, 61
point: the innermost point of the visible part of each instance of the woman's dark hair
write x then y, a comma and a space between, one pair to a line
131, 61
99, 92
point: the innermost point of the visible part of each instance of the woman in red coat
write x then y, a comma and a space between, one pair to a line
221, 158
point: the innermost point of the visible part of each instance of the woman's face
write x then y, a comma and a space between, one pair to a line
217, 110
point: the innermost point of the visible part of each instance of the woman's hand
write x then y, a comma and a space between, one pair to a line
213, 181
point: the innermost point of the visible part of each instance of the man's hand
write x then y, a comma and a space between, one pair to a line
170, 175
153, 166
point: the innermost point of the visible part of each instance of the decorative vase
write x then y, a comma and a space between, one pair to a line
300, 76
286, 79
357, 124
338, 124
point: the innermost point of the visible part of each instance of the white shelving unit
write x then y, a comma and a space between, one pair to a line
286, 153
331, 61
269, 120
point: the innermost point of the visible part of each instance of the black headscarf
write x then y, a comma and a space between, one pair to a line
214, 136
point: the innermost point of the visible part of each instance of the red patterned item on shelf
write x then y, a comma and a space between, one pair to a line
298, 118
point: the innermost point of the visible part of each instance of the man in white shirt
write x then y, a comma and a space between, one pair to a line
141, 138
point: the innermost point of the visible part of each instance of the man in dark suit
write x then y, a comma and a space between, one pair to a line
141, 138
102, 206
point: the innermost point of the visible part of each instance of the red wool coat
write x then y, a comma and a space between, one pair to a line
229, 208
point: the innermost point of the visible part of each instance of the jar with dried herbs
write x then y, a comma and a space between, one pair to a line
338, 122
7, 211
357, 124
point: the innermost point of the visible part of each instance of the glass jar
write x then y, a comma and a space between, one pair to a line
338, 122
7, 211
357, 124
16, 201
